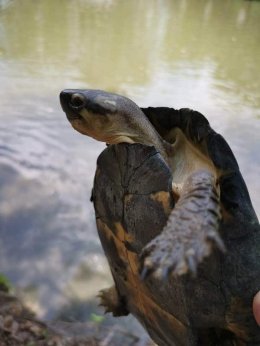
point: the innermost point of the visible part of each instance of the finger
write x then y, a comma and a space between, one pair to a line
256, 308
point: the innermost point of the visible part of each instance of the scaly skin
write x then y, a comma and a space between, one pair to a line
195, 221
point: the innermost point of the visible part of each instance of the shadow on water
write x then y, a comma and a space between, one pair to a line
203, 55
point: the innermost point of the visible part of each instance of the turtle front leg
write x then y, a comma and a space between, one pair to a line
112, 302
190, 233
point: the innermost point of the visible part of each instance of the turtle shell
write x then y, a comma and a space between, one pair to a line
133, 198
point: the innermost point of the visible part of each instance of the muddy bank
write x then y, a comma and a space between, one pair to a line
19, 326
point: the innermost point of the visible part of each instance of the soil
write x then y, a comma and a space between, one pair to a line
20, 327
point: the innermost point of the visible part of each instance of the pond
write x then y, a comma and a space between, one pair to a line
198, 54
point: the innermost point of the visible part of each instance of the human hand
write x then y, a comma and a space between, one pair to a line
256, 308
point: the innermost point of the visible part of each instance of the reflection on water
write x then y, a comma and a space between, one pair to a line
203, 55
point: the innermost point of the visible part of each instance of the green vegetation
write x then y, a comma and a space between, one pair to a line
5, 284
97, 318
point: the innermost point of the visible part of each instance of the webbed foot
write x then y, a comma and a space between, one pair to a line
112, 302
190, 234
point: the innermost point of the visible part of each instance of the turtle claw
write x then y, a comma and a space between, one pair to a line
145, 273
112, 302
165, 273
169, 259
192, 265
213, 236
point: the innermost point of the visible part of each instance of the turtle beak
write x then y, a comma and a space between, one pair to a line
72, 102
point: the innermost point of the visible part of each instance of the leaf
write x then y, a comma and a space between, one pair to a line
96, 318
5, 284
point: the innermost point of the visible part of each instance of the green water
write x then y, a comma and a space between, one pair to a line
201, 54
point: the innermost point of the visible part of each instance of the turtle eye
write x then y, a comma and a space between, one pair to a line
77, 101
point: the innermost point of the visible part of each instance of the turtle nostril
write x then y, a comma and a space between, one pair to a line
77, 101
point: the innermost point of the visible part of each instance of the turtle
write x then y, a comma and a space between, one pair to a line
175, 220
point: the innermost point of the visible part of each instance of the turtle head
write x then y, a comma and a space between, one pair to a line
92, 113
108, 117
